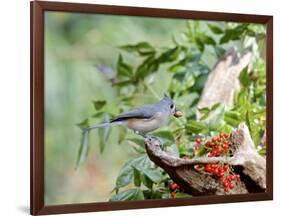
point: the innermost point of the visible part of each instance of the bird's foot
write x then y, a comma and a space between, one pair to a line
153, 139
140, 133
150, 139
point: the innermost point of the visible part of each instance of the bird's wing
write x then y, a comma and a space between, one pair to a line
143, 112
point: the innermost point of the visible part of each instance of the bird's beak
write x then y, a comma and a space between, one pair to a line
178, 113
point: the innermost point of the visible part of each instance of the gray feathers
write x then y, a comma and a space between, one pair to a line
143, 119
145, 112
142, 112
103, 125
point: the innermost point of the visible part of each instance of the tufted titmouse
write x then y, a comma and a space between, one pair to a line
145, 119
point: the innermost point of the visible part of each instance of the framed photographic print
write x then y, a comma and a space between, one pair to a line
144, 107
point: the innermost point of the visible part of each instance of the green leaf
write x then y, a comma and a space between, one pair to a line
205, 113
148, 66
174, 149
170, 55
200, 151
189, 81
99, 104
147, 181
104, 134
176, 83
123, 83
244, 77
138, 141
215, 106
186, 151
131, 194
225, 128
126, 174
262, 152
219, 51
207, 39
228, 36
200, 44
215, 29
199, 83
259, 113
214, 118
256, 133
137, 177
196, 127
165, 135
232, 118
189, 99
142, 163
142, 48
84, 124
242, 97
204, 110
181, 195
234, 33
225, 39
155, 195
166, 195
124, 69
147, 193
177, 68
203, 39
98, 114
248, 121
139, 150
122, 134
83, 149
255, 127
153, 174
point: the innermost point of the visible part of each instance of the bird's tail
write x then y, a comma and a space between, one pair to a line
103, 125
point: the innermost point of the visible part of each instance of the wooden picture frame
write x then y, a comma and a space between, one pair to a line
37, 205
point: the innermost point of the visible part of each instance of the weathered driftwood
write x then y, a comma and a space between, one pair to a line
246, 161
223, 82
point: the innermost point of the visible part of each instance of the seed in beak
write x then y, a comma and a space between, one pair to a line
178, 114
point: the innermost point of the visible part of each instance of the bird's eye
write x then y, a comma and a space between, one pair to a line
172, 106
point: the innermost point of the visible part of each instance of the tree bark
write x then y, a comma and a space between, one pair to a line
246, 161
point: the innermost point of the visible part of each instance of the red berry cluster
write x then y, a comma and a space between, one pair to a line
198, 141
229, 182
224, 173
215, 147
218, 146
174, 188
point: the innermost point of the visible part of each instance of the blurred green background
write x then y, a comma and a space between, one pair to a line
74, 44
